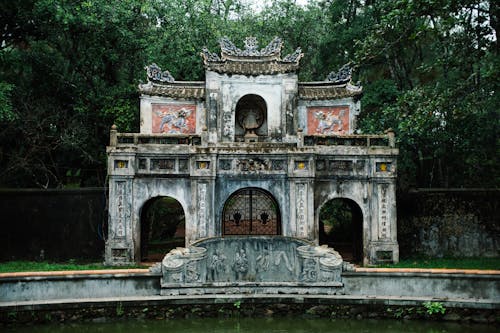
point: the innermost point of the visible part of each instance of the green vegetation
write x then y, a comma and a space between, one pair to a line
434, 307
455, 263
119, 309
429, 308
69, 70
42, 266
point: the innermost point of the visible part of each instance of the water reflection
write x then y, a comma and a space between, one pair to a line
260, 325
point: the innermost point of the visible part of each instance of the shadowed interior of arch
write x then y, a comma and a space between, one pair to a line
341, 227
162, 227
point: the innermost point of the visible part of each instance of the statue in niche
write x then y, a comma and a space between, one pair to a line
250, 119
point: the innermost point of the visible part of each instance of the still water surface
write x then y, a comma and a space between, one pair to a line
259, 325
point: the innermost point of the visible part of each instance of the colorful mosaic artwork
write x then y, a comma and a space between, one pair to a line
331, 120
174, 119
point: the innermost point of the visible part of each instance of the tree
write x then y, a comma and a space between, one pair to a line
70, 69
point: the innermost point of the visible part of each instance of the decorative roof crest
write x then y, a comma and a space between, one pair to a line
294, 57
342, 76
156, 75
273, 49
251, 60
209, 56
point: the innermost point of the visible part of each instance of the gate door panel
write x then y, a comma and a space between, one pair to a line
251, 211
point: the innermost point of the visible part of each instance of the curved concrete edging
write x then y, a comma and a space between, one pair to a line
61, 304
49, 290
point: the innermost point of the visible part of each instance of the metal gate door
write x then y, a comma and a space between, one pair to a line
251, 211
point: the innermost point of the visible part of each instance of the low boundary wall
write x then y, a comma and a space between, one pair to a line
52, 224
405, 288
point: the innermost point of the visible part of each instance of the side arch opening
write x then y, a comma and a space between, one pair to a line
162, 227
251, 211
341, 227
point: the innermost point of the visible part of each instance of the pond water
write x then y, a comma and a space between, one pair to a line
258, 325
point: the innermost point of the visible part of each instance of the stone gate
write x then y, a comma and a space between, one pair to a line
251, 152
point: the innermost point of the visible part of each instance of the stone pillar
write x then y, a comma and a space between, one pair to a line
120, 245
113, 136
383, 245
202, 224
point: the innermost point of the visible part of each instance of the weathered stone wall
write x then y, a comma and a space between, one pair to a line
68, 223
65, 224
449, 223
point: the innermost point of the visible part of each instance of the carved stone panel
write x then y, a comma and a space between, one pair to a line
202, 209
225, 164
252, 165
162, 164
301, 211
251, 259
122, 210
384, 223
342, 166
227, 125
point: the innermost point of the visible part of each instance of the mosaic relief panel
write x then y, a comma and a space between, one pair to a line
331, 120
174, 119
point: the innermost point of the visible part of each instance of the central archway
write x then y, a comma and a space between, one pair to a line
251, 211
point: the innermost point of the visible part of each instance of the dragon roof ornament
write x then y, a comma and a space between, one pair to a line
155, 74
162, 83
343, 75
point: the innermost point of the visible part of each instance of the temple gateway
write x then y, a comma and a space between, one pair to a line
252, 155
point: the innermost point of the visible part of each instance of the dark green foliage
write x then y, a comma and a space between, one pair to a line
70, 69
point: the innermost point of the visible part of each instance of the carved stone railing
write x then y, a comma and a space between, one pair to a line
386, 140
127, 139
250, 264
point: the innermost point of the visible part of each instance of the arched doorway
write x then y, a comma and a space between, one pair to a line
251, 118
162, 227
251, 211
341, 227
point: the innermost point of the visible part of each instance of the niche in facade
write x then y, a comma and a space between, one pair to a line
251, 118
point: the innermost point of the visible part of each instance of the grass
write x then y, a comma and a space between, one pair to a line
44, 266
73, 265
455, 263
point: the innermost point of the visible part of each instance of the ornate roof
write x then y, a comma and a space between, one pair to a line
162, 83
251, 60
337, 85
326, 90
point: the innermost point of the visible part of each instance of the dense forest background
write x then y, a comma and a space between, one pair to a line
70, 69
